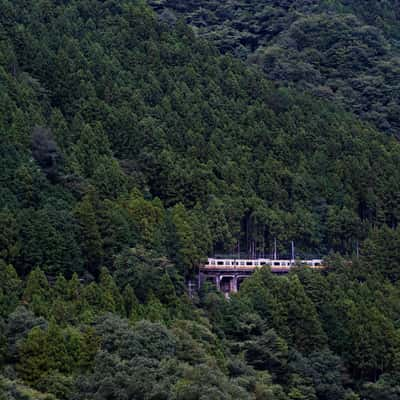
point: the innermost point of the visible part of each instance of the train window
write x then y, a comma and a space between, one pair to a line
317, 264
220, 263
241, 262
227, 263
277, 263
249, 263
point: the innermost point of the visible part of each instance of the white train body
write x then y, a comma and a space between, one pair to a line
233, 264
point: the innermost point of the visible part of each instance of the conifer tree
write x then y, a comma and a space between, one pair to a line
10, 289
219, 228
268, 352
60, 288
182, 242
90, 345
43, 352
37, 293
91, 240
33, 359
154, 310
147, 218
112, 299
108, 178
9, 244
166, 292
131, 302
91, 146
304, 326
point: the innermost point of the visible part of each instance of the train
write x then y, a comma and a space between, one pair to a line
236, 263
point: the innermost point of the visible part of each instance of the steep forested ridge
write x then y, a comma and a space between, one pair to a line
101, 108
129, 150
346, 51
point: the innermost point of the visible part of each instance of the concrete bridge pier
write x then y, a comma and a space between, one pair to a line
234, 284
224, 282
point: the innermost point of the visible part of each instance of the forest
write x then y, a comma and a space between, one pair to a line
344, 51
131, 148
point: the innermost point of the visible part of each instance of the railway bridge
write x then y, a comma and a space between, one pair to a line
228, 274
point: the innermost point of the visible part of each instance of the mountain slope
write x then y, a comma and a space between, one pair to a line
343, 51
129, 150
123, 101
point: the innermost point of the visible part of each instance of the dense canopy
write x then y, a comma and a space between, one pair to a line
130, 149
344, 51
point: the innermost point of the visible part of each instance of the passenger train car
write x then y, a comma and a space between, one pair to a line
251, 264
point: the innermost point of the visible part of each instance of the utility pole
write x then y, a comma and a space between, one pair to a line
199, 279
293, 251
263, 246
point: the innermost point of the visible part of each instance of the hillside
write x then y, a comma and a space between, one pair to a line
130, 149
104, 109
346, 51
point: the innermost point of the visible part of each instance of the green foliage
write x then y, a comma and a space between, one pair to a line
382, 248
339, 50
302, 319
167, 293
9, 236
267, 352
10, 289
130, 149
143, 270
183, 150
266, 342
386, 388
154, 310
131, 302
182, 244
42, 352
37, 292
146, 218
90, 235
91, 146
111, 296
